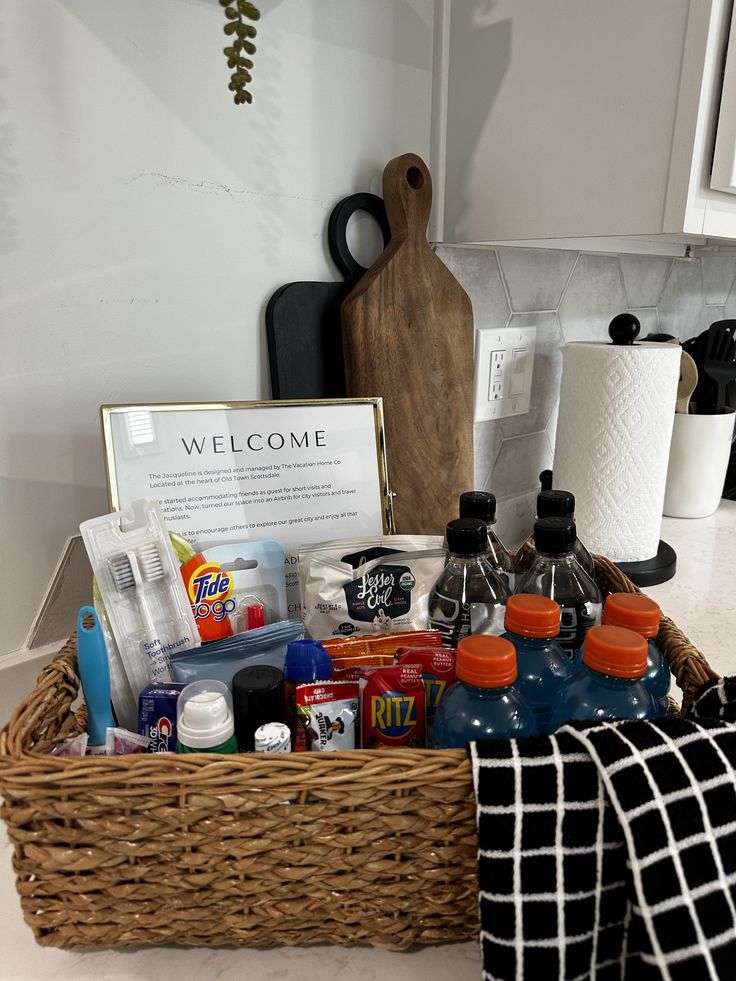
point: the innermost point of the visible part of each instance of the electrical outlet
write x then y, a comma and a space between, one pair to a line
504, 364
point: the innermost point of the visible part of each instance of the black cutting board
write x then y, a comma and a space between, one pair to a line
303, 324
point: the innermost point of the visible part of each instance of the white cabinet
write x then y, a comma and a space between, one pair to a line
584, 118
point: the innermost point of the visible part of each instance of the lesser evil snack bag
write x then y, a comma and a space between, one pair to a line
368, 586
392, 706
438, 673
327, 715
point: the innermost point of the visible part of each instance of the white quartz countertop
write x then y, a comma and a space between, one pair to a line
701, 599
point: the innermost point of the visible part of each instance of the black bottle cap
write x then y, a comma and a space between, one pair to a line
256, 701
467, 536
554, 535
478, 504
555, 504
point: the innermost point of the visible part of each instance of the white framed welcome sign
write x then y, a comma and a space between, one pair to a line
294, 472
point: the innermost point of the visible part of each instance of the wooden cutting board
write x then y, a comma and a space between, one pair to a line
408, 337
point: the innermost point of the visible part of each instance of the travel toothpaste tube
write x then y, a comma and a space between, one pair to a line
157, 715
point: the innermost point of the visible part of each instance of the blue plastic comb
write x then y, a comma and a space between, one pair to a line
95, 674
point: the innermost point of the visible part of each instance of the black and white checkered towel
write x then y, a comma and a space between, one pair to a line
609, 851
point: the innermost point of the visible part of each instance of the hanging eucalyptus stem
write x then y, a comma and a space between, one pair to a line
237, 12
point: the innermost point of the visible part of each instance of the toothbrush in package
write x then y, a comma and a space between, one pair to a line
146, 603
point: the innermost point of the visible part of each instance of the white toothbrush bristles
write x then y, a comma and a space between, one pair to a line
149, 560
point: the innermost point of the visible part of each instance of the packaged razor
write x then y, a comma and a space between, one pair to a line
145, 600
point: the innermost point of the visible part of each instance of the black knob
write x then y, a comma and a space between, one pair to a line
545, 479
624, 328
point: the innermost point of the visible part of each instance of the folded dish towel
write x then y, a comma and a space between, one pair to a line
609, 851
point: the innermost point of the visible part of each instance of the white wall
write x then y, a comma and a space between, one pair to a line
145, 219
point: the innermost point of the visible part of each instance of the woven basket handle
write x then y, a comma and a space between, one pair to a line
44, 716
687, 664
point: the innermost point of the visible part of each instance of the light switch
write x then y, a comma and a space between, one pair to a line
519, 359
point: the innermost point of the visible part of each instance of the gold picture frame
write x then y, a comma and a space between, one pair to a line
145, 413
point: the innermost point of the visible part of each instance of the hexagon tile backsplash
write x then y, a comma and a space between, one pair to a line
570, 296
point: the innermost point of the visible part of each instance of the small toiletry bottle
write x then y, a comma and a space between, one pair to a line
641, 614
204, 719
610, 684
257, 699
483, 703
552, 504
306, 660
469, 596
556, 573
532, 624
273, 737
482, 505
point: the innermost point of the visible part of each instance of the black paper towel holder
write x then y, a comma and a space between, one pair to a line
623, 330
652, 572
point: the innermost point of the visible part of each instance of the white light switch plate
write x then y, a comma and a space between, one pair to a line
504, 364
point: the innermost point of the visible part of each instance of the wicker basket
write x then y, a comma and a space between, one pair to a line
356, 847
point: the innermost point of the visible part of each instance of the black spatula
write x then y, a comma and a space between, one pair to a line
720, 358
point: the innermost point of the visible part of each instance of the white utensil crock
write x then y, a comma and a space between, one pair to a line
699, 455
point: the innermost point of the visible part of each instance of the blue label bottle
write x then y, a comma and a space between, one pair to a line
641, 614
610, 683
532, 622
483, 703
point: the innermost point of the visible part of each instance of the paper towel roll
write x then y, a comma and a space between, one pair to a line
617, 405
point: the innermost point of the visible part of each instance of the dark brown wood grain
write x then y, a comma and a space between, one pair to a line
408, 338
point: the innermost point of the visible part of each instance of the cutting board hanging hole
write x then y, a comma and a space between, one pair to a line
415, 178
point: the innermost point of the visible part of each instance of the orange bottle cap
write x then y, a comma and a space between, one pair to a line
632, 610
615, 651
487, 662
532, 616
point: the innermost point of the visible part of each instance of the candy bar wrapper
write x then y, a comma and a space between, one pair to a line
120, 742
73, 746
379, 645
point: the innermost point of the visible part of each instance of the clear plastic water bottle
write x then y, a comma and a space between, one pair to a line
483, 703
556, 573
641, 614
532, 623
610, 684
469, 596
482, 505
553, 504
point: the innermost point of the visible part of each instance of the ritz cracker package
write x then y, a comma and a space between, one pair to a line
368, 585
146, 603
392, 707
438, 673
236, 587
